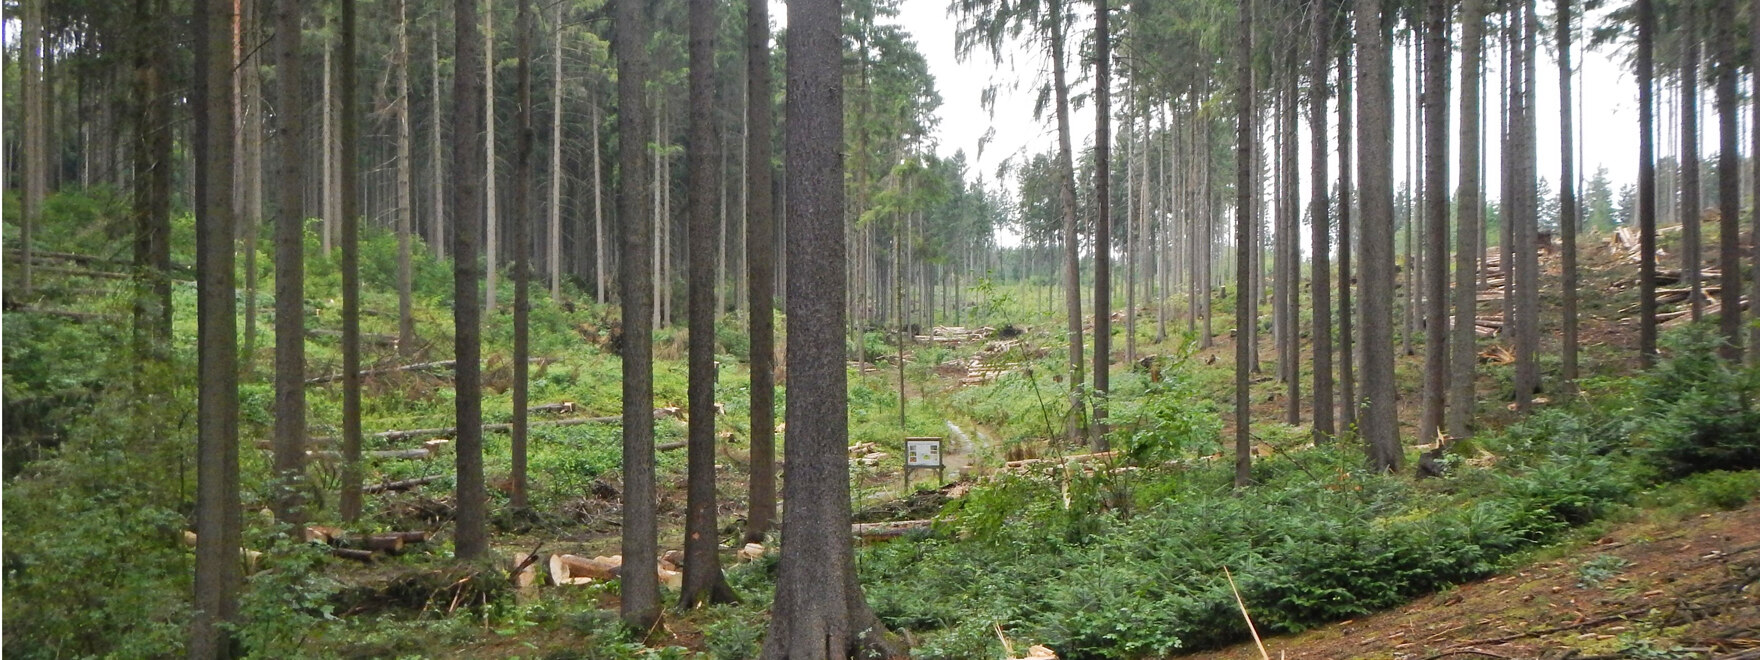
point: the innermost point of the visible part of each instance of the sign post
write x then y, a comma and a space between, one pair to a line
922, 453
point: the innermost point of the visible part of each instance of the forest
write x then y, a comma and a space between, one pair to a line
686, 329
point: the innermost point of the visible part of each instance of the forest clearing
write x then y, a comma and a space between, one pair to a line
626, 329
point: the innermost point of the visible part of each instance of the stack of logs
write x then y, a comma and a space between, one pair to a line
567, 569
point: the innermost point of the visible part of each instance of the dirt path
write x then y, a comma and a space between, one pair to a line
1665, 589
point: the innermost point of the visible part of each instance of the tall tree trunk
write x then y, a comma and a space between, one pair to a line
331, 196
1692, 221
437, 224
599, 254
491, 200
1463, 359
640, 608
525, 28
472, 541
290, 338
1347, 362
1567, 207
760, 264
1646, 183
704, 583
251, 163
1289, 190
36, 133
219, 518
554, 254
351, 278
152, 189
1729, 185
1102, 222
819, 611
1754, 156
1072, 277
1319, 222
405, 193
1436, 203
1525, 220
1245, 319
1380, 426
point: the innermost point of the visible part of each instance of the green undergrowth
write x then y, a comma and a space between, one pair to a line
1127, 564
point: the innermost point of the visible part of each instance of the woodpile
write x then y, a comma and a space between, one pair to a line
362, 547
1075, 458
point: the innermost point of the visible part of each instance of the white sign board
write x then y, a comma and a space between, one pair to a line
922, 452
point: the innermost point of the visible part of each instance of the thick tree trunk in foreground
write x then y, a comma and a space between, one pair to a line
472, 541
704, 582
819, 611
640, 608
1245, 319
290, 336
1072, 276
1102, 223
760, 272
1380, 426
1436, 208
219, 519
525, 28
351, 274
1463, 360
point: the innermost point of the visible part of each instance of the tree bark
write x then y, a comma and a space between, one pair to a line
640, 608
290, 338
1102, 223
1646, 183
819, 611
491, 201
1380, 426
1467, 233
1436, 209
1729, 185
351, 278
406, 324
472, 540
554, 254
152, 190
1567, 211
1320, 224
219, 518
704, 583
36, 132
251, 162
760, 272
1691, 215
1072, 277
1754, 156
525, 29
1347, 362
1245, 319
1525, 219
437, 224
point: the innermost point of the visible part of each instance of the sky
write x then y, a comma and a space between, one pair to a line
1607, 120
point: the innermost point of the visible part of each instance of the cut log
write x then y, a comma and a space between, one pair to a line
1066, 459
886, 530
566, 569
390, 544
752, 552
252, 558
399, 486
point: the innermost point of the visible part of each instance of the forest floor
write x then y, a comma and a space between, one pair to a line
1688, 584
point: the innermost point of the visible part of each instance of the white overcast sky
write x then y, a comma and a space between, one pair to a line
1607, 121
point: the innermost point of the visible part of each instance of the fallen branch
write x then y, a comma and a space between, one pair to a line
887, 530
421, 366
449, 431
1243, 605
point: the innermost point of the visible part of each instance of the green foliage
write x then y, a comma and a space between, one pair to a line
1598, 570
1723, 490
1698, 411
